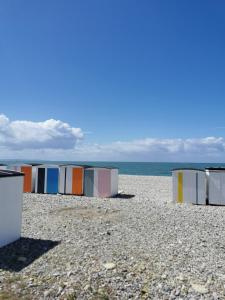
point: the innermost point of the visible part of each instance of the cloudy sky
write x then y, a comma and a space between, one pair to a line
54, 139
112, 80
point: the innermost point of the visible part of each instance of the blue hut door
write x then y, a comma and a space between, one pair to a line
52, 180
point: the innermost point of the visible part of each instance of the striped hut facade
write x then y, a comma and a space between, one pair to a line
189, 186
29, 171
71, 179
47, 179
216, 186
101, 182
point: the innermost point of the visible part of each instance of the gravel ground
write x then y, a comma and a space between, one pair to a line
137, 246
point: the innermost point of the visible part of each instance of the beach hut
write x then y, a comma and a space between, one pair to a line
47, 179
189, 186
3, 167
216, 186
11, 190
29, 171
100, 182
71, 179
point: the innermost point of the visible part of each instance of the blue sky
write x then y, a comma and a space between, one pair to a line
140, 74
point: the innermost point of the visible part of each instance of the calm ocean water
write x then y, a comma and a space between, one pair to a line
135, 168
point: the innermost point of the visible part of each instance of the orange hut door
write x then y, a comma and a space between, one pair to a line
77, 184
27, 184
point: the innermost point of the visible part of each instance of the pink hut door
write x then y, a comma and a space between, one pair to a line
104, 183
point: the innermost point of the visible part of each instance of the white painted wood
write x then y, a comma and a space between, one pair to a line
69, 180
36, 181
222, 183
95, 190
34, 175
175, 185
114, 182
189, 186
194, 186
3, 167
216, 184
46, 174
62, 171
202, 188
11, 192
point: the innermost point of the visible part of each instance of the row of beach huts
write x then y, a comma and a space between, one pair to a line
199, 186
67, 179
195, 186
51, 179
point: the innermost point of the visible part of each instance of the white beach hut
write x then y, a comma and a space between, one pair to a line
216, 186
47, 179
11, 192
100, 182
189, 186
71, 179
3, 167
29, 171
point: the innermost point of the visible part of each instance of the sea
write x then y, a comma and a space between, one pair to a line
130, 168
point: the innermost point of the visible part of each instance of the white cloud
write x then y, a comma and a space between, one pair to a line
56, 140
49, 134
149, 149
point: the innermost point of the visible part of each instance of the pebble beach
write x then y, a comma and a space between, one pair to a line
139, 245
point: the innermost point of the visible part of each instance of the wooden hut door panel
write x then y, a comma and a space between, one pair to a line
27, 183
89, 178
52, 180
41, 180
104, 183
69, 180
77, 186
